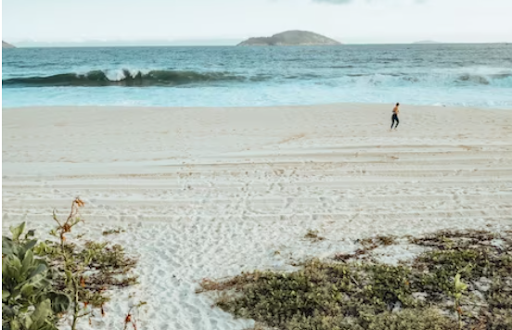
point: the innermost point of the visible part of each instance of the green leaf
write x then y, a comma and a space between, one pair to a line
17, 231
60, 302
27, 323
39, 269
14, 265
41, 248
7, 312
69, 277
27, 290
459, 285
30, 244
28, 261
15, 325
5, 295
41, 314
7, 245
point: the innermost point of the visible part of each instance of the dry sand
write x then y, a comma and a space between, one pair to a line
213, 192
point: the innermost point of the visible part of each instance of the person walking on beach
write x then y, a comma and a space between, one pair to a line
394, 118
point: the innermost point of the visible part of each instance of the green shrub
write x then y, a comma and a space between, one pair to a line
43, 280
29, 301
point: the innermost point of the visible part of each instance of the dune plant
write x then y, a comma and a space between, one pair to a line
86, 269
29, 299
42, 281
348, 292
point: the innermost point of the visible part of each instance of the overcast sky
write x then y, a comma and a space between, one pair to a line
350, 21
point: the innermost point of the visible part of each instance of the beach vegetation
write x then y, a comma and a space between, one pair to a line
313, 236
367, 246
129, 320
44, 281
463, 280
113, 231
29, 298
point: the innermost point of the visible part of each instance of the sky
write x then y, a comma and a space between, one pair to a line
349, 21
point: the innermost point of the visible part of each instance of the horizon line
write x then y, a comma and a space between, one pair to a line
202, 41
176, 44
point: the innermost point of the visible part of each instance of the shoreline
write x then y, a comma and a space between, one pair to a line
311, 105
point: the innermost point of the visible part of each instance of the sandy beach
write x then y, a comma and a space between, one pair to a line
211, 192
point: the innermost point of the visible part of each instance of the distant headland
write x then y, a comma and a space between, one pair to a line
7, 45
291, 38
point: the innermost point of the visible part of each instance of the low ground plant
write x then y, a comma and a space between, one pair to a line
42, 281
462, 281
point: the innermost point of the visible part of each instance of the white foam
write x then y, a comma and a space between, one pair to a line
120, 73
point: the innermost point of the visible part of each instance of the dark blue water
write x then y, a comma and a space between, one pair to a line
467, 75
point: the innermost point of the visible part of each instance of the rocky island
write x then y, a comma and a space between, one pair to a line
7, 45
291, 38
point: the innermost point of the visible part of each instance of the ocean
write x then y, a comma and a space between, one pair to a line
476, 75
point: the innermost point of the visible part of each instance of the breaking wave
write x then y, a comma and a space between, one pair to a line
126, 78
170, 78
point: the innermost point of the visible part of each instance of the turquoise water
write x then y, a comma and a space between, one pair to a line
463, 75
